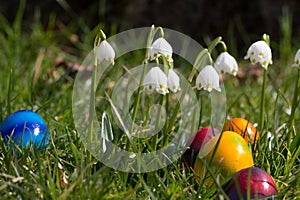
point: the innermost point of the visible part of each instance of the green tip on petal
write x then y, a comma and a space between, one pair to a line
265, 63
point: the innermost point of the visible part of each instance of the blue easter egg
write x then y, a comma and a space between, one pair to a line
25, 127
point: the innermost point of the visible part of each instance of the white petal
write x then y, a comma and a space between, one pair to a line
173, 81
160, 46
260, 52
226, 63
105, 52
208, 79
156, 80
297, 59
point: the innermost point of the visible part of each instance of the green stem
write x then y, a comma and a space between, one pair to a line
262, 101
200, 61
92, 109
162, 34
92, 99
195, 125
201, 107
175, 113
145, 63
138, 98
157, 122
214, 43
294, 106
167, 111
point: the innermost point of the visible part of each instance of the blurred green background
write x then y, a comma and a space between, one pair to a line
233, 19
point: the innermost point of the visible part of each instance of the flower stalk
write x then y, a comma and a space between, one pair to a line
292, 116
262, 100
102, 51
93, 88
260, 52
145, 63
157, 122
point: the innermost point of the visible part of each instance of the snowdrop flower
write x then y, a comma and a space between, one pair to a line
173, 81
160, 46
156, 80
297, 59
105, 52
260, 52
208, 79
226, 63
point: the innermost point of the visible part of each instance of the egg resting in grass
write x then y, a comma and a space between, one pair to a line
260, 183
25, 127
244, 128
198, 139
225, 154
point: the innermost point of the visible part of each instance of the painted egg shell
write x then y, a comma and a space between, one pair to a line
243, 127
226, 153
260, 183
25, 127
195, 143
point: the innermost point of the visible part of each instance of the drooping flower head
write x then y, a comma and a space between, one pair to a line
226, 63
156, 81
297, 59
105, 52
208, 79
173, 81
260, 52
160, 47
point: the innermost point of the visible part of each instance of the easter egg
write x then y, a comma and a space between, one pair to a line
198, 139
25, 127
225, 154
244, 128
259, 182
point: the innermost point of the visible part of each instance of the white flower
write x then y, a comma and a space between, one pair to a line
156, 80
260, 52
226, 63
173, 81
105, 52
160, 46
297, 59
208, 79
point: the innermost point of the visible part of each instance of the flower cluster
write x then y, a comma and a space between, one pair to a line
159, 81
208, 78
156, 80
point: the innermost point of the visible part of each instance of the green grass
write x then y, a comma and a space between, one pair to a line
30, 80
